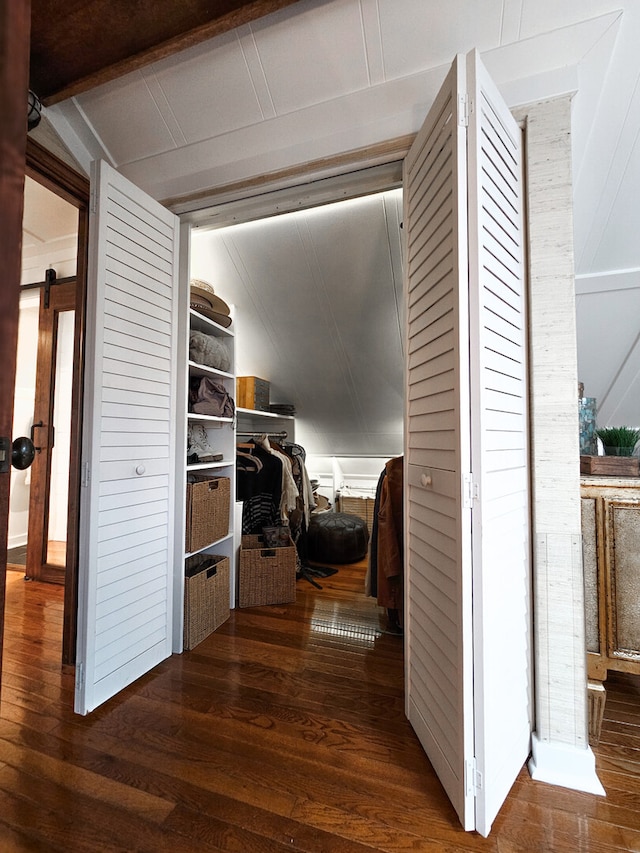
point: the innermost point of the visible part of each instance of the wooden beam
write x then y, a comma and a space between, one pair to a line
80, 45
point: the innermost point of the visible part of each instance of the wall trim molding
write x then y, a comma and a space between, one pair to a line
362, 170
568, 766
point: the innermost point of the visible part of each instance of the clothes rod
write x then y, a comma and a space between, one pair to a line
282, 434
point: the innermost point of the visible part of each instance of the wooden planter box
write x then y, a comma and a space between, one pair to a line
610, 466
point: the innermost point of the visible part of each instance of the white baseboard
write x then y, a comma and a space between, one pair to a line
17, 540
568, 766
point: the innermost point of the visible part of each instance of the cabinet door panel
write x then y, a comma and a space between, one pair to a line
624, 556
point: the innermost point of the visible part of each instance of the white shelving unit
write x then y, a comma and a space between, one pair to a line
221, 436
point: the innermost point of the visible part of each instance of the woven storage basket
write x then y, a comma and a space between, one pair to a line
206, 597
208, 502
267, 575
362, 507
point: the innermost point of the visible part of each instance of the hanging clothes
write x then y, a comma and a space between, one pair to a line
289, 490
272, 498
371, 578
260, 490
298, 516
390, 543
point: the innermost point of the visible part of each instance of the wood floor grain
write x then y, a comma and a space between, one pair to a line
283, 731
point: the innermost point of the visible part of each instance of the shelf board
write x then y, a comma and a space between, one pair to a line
210, 545
194, 416
204, 324
204, 466
196, 369
259, 414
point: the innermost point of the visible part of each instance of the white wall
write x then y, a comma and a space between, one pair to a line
59, 488
355, 474
23, 419
608, 337
23, 413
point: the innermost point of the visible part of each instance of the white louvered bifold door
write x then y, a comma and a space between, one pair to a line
438, 624
127, 499
468, 632
499, 455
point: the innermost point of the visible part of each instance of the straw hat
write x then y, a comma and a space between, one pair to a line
203, 299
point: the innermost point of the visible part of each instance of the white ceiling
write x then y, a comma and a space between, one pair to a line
319, 79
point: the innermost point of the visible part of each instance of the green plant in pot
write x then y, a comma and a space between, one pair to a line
618, 441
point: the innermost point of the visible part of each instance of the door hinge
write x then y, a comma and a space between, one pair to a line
86, 475
93, 199
79, 676
470, 491
463, 110
472, 778
5, 454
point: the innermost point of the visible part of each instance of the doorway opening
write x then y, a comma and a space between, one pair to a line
43, 519
318, 306
39, 502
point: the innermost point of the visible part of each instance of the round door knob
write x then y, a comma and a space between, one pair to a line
22, 452
425, 480
140, 469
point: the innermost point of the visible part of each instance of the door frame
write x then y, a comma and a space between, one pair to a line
14, 82
61, 179
59, 296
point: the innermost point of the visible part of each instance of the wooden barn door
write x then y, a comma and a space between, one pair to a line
468, 587
128, 465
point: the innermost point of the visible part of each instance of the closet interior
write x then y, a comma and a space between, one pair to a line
316, 417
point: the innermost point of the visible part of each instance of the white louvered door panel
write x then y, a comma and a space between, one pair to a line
468, 598
500, 520
438, 622
126, 517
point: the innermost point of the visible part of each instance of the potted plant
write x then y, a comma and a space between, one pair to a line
618, 441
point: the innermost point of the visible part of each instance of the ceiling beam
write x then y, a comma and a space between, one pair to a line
80, 44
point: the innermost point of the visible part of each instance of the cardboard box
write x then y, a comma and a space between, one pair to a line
252, 393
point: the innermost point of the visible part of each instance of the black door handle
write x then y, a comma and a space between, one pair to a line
22, 452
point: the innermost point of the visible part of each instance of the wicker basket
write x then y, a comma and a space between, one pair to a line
206, 597
362, 507
208, 502
267, 575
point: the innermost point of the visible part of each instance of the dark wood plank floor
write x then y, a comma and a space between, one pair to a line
283, 731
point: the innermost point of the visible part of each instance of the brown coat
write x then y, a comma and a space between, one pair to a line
391, 537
